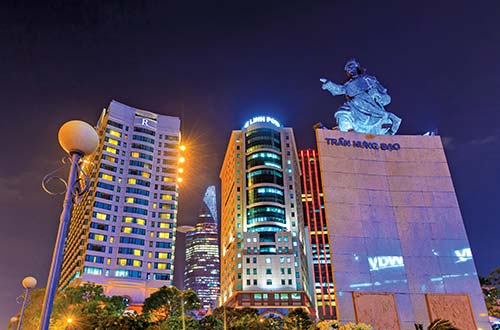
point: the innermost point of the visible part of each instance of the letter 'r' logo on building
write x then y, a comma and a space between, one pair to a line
145, 122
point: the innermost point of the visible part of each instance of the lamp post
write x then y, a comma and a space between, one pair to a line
78, 139
29, 283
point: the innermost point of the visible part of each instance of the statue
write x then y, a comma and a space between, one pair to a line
364, 111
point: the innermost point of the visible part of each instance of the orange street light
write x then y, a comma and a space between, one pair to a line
182, 148
182, 160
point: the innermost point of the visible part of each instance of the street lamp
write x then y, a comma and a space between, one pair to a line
29, 283
13, 321
78, 139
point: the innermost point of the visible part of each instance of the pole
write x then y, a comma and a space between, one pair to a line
225, 325
22, 309
183, 319
55, 266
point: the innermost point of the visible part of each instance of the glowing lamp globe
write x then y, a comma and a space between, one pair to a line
29, 282
13, 319
77, 136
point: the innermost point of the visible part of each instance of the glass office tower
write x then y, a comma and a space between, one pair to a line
264, 242
202, 272
122, 233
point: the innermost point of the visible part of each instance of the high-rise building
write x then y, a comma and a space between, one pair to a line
122, 233
202, 273
313, 204
264, 243
399, 251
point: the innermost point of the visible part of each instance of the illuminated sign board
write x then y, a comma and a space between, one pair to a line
262, 119
384, 262
362, 144
146, 122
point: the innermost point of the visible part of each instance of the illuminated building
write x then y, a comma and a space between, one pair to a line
202, 254
315, 219
399, 248
263, 239
122, 234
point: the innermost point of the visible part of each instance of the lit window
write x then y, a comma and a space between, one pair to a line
166, 197
134, 154
128, 219
107, 177
113, 141
146, 174
165, 215
162, 255
99, 237
161, 265
127, 230
101, 216
163, 235
129, 200
132, 181
122, 262
111, 239
112, 150
150, 254
268, 260
115, 133
140, 221
137, 252
137, 263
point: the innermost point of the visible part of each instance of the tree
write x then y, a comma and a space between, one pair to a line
236, 319
210, 322
440, 324
491, 291
86, 305
129, 321
170, 302
298, 319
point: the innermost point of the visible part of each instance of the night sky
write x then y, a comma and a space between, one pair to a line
215, 64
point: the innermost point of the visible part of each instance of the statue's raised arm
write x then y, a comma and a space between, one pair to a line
364, 111
333, 88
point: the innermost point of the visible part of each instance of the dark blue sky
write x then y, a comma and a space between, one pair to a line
215, 64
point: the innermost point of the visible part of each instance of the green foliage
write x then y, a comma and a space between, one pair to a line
440, 324
175, 323
86, 305
355, 326
298, 319
170, 302
236, 319
491, 292
127, 321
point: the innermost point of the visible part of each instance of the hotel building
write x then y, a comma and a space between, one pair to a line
122, 233
264, 244
313, 205
202, 272
399, 249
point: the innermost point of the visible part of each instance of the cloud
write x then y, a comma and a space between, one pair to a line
486, 140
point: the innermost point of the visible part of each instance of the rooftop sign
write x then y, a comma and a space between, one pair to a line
262, 119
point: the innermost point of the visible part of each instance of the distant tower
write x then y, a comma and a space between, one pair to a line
122, 234
202, 254
263, 239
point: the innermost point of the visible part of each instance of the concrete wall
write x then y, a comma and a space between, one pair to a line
394, 224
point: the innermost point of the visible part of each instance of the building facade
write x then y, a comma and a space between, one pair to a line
202, 272
398, 244
122, 233
313, 205
264, 244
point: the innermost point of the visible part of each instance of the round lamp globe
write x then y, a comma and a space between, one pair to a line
77, 136
29, 282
